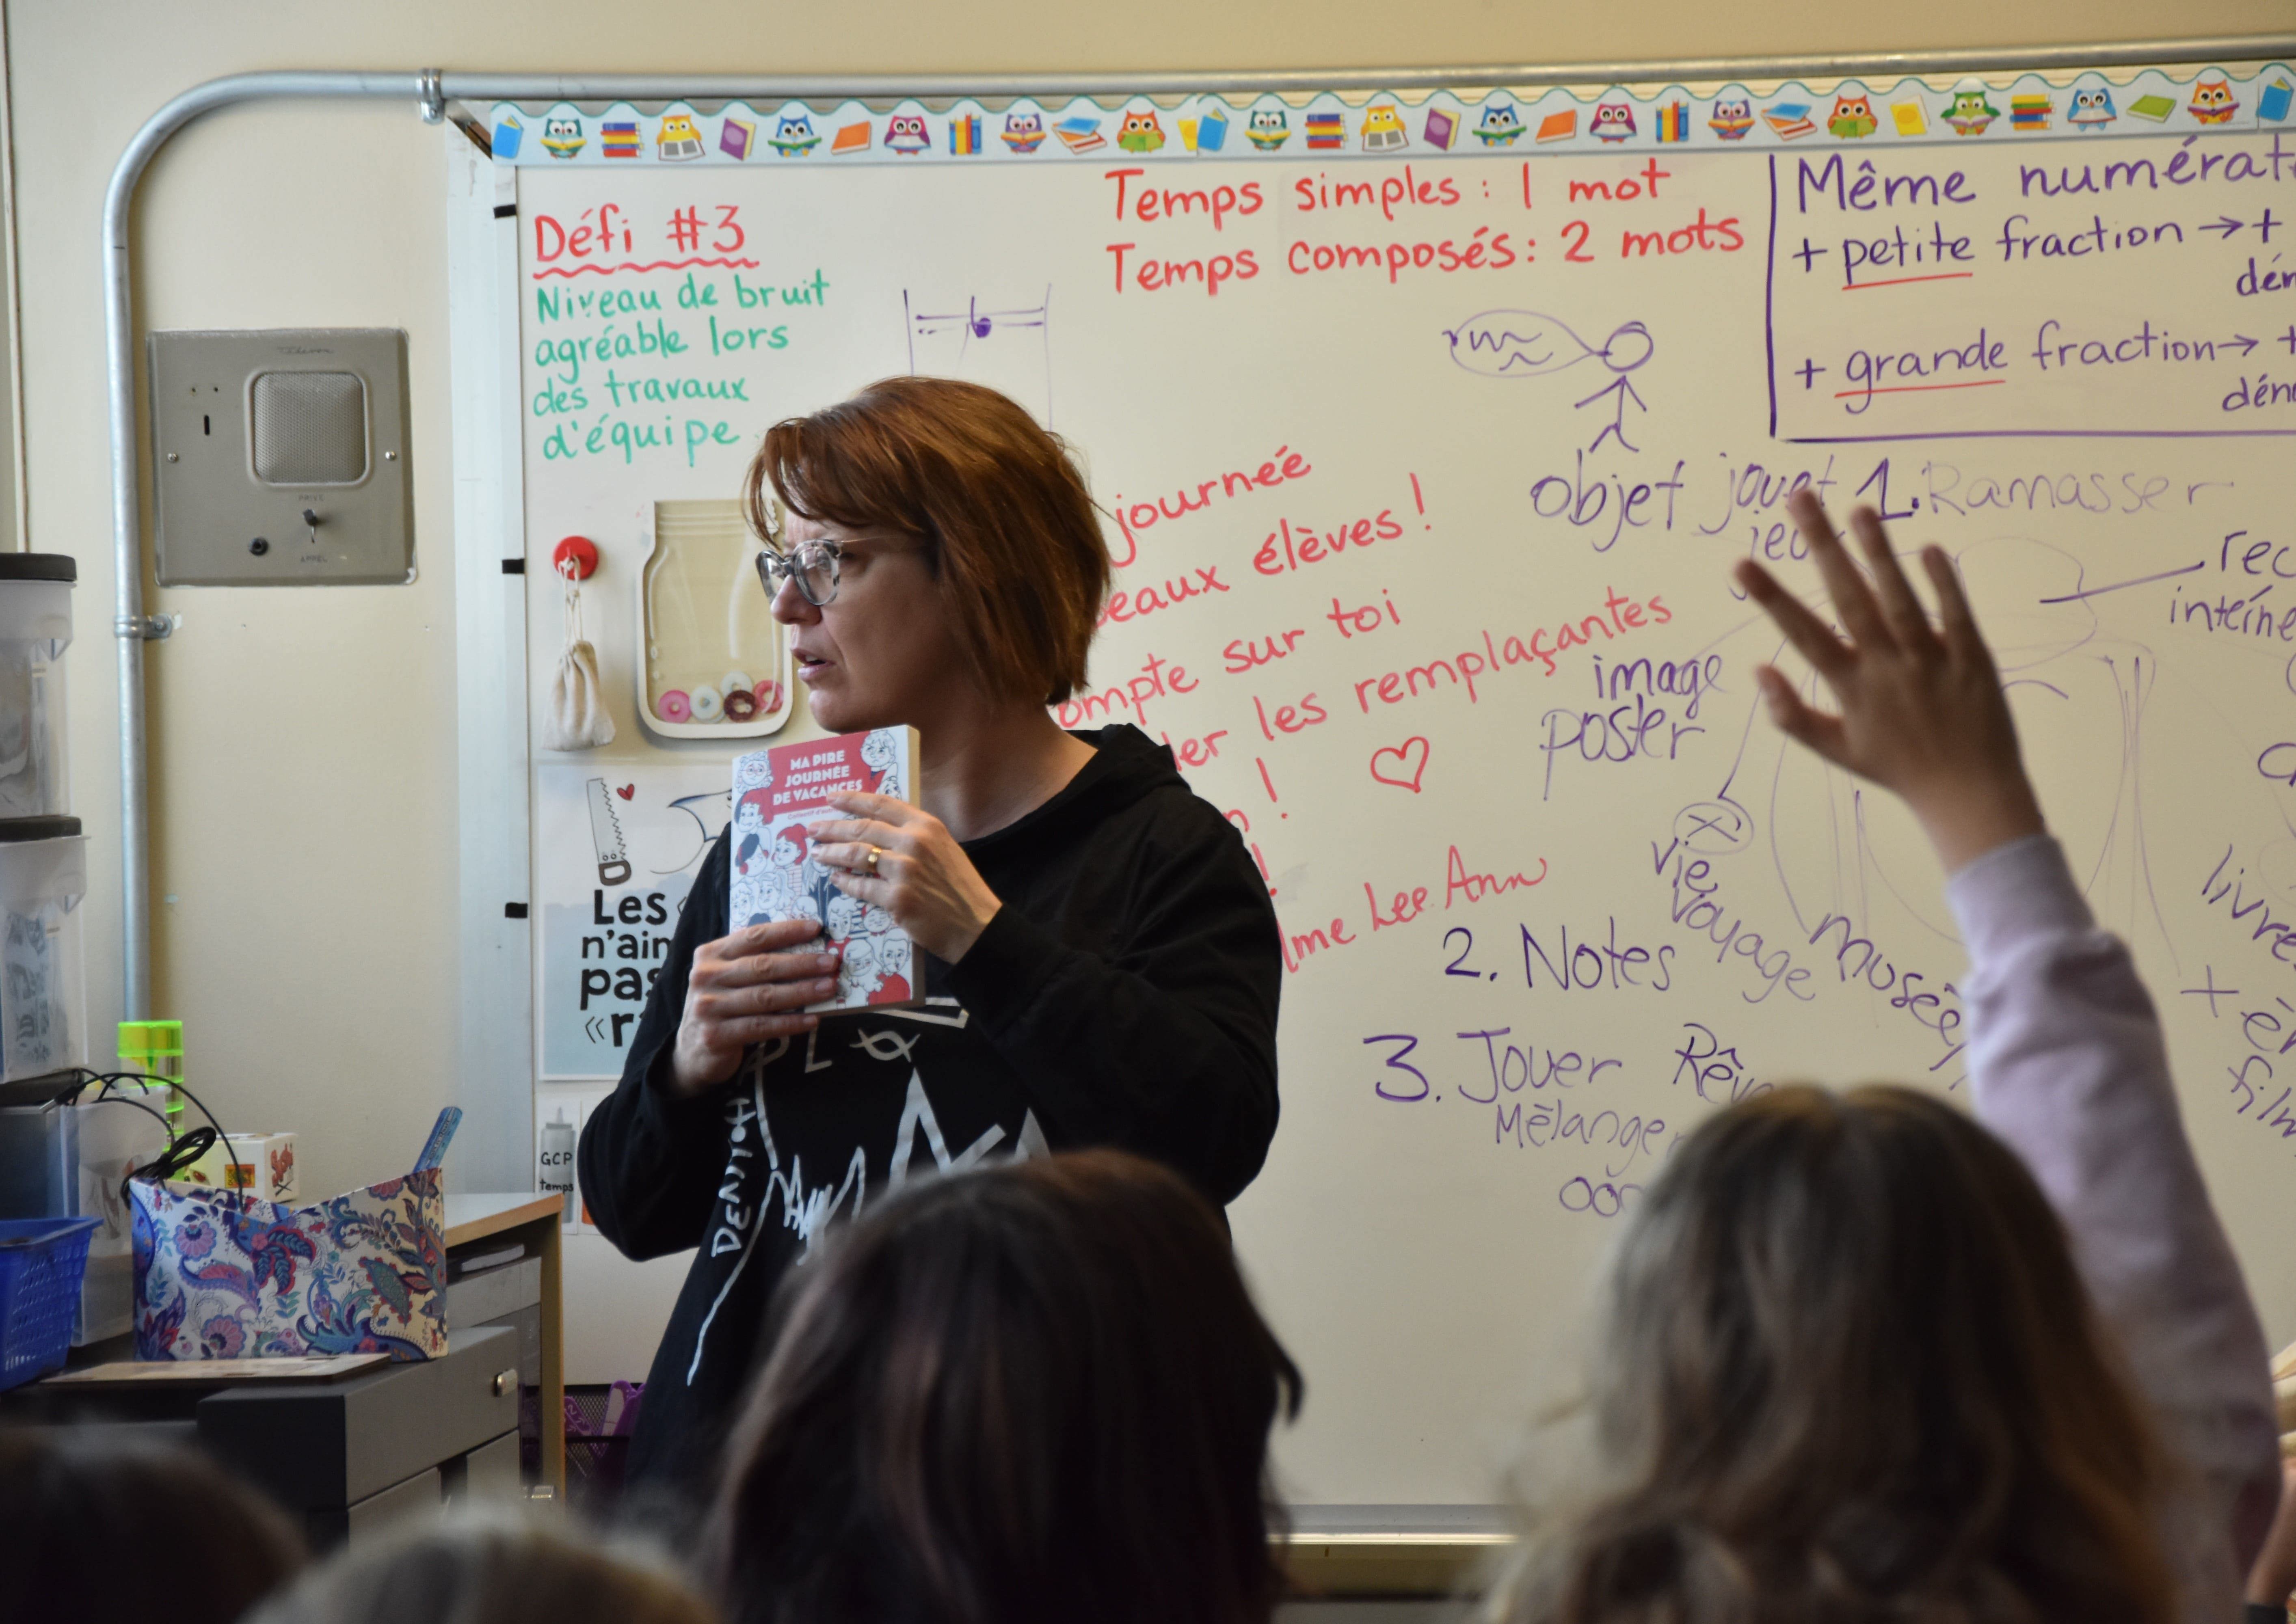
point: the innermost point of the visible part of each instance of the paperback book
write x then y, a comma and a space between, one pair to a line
777, 793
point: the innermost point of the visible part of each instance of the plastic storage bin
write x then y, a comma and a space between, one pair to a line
41, 1261
61, 1161
43, 875
35, 630
39, 1161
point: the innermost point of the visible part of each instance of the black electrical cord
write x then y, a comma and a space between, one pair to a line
183, 1149
105, 1096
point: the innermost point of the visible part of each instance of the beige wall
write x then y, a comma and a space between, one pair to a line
302, 754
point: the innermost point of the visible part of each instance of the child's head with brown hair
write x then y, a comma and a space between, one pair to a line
1849, 1372
1039, 1392
996, 500
101, 1527
487, 1566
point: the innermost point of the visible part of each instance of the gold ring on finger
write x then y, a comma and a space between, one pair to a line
875, 853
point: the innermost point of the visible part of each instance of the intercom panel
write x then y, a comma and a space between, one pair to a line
279, 457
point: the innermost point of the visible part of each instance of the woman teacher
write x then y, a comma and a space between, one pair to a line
1100, 959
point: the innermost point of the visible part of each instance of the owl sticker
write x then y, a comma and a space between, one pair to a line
1141, 133
679, 139
1968, 112
2091, 110
2212, 102
1269, 127
905, 133
1499, 125
1383, 129
793, 136
562, 137
1732, 117
1024, 132
1613, 121
1852, 119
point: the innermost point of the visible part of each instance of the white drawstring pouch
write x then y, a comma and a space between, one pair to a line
577, 717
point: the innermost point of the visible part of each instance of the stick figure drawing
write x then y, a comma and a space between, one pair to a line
1525, 344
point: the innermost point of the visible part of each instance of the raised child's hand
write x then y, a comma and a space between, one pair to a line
1921, 709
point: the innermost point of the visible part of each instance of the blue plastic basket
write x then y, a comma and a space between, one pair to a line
41, 1263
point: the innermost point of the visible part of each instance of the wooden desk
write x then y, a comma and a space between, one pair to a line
534, 1220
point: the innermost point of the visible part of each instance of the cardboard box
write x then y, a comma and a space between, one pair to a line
260, 1164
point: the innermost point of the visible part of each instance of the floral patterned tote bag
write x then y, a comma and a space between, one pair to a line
221, 1277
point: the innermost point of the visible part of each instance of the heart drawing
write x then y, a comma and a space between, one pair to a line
1403, 767
627, 790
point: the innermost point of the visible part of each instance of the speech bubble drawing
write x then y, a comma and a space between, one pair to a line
1526, 344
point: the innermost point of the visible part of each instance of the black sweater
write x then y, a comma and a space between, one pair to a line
1124, 994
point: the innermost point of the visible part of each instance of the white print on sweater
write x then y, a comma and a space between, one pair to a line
810, 1209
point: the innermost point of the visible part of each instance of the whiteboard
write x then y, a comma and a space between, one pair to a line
1427, 452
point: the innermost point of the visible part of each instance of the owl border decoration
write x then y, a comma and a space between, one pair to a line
1331, 125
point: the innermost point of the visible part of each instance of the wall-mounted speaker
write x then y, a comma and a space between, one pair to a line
279, 458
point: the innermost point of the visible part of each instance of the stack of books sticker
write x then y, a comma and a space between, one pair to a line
1080, 134
1789, 119
2029, 113
619, 138
1326, 133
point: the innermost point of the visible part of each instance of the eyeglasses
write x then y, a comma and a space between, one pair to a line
811, 566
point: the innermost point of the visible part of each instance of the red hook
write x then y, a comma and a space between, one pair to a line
576, 557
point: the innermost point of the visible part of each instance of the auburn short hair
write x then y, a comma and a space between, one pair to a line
1009, 527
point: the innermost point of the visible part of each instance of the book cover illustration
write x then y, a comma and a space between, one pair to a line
777, 792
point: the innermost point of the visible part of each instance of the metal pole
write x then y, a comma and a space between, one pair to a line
430, 89
130, 626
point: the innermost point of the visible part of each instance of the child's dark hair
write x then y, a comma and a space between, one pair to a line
1036, 1392
102, 1528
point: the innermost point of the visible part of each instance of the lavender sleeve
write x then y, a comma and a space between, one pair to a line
2068, 1066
